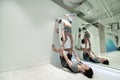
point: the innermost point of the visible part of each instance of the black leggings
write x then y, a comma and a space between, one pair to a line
64, 63
86, 57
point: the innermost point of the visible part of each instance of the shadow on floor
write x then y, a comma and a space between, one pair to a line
58, 65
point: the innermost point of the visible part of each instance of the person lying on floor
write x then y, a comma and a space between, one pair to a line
76, 66
89, 55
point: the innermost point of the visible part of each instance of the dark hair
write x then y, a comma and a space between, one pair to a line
59, 21
106, 62
61, 38
84, 28
83, 41
69, 56
70, 22
79, 29
88, 73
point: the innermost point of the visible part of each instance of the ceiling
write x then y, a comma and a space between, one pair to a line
105, 11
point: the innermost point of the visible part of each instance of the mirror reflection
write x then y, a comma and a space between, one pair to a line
63, 28
83, 43
85, 46
101, 19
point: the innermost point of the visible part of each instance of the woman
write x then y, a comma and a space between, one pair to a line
67, 24
89, 55
76, 66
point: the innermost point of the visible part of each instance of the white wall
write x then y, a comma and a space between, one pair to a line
26, 31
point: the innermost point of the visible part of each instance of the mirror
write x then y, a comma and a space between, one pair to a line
103, 44
103, 17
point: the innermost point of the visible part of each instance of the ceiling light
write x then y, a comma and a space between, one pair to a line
88, 12
99, 20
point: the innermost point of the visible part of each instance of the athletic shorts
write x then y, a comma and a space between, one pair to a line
67, 30
87, 36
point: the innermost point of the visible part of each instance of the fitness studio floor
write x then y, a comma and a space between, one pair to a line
56, 72
114, 58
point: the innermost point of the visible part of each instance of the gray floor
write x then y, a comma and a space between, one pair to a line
56, 72
114, 58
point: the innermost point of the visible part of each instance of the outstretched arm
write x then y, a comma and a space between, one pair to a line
89, 44
85, 42
76, 56
78, 48
93, 53
57, 26
55, 49
85, 50
58, 50
66, 59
